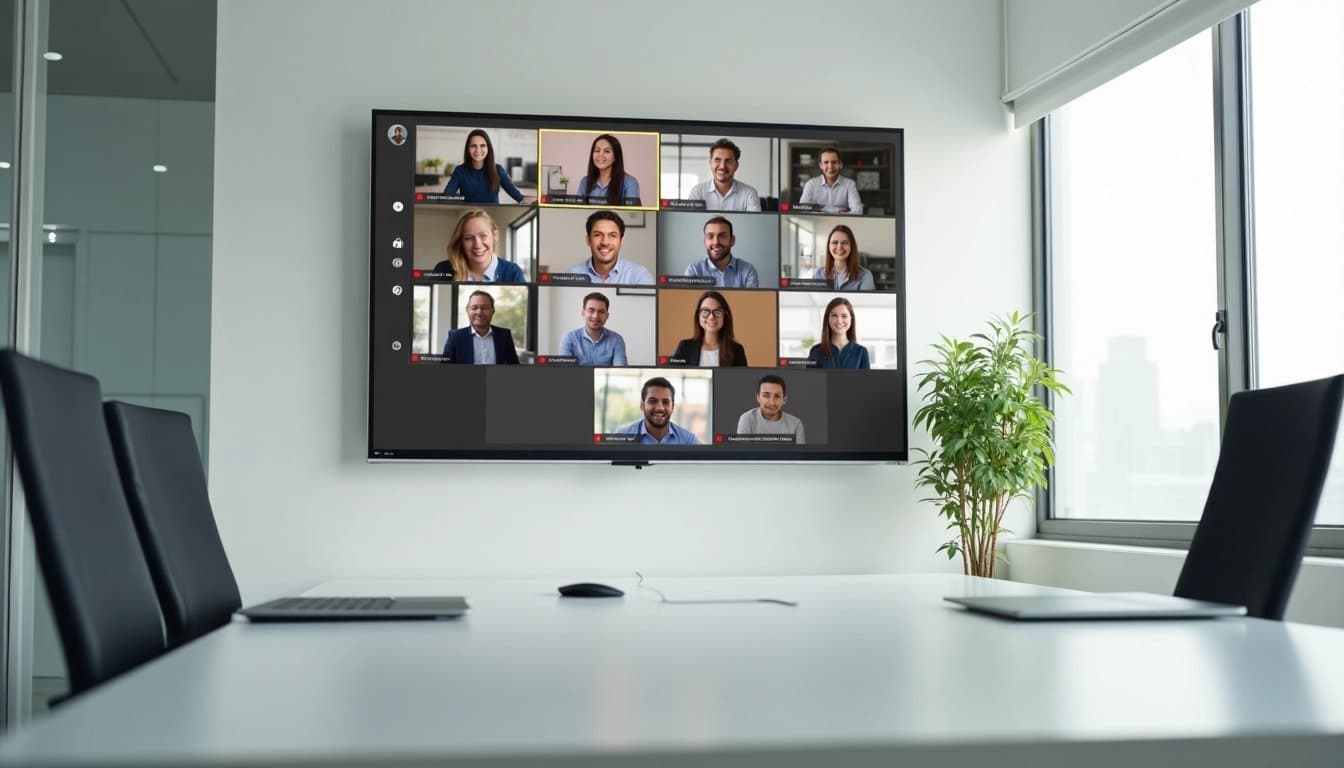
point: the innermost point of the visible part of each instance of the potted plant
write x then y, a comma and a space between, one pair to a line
432, 164
991, 433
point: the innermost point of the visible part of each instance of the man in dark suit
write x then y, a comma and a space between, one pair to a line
481, 343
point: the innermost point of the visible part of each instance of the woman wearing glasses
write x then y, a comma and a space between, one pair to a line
839, 347
713, 344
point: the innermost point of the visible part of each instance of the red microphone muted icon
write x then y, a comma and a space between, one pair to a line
416, 274
597, 438
541, 360
419, 196
662, 278
718, 438
784, 282
662, 360
783, 206
545, 278
415, 358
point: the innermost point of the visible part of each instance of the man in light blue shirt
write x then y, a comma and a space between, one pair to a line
606, 232
831, 191
719, 263
593, 344
657, 401
721, 192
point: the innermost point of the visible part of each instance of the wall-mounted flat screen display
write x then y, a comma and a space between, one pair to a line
612, 289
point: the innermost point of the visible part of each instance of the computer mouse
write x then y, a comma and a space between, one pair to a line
589, 589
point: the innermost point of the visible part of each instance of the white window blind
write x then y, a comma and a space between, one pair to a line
1057, 50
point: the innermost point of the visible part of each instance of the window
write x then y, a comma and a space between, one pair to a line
1141, 243
1134, 258
1297, 117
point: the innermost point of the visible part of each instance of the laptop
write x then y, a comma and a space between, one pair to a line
356, 608
1097, 605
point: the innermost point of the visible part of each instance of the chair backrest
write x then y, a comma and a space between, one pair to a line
101, 594
165, 486
1276, 450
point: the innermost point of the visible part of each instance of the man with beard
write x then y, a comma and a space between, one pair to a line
719, 263
657, 400
606, 231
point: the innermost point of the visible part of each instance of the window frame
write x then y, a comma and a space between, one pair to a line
1235, 221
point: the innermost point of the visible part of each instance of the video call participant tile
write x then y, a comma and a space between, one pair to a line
494, 314
716, 327
598, 247
837, 253
719, 173
596, 325
475, 165
472, 243
708, 249
771, 409
860, 329
651, 406
613, 169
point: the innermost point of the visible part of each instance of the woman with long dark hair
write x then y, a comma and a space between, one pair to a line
712, 344
842, 268
479, 178
606, 179
839, 347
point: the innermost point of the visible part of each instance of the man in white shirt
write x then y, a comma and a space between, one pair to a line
830, 191
768, 417
721, 192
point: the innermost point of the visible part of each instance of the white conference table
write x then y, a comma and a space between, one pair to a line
865, 671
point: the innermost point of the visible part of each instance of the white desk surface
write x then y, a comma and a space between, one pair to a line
866, 671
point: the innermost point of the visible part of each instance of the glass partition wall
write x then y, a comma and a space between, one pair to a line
107, 166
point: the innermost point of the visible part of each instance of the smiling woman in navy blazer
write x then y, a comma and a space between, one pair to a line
481, 343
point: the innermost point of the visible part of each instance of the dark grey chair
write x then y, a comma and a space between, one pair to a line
1276, 449
165, 487
102, 597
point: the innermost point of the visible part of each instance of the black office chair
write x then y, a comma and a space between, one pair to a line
1276, 450
101, 594
165, 486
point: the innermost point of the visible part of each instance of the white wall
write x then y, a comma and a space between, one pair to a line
296, 501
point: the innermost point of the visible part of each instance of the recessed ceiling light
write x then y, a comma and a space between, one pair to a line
52, 56
51, 237
4, 163
160, 169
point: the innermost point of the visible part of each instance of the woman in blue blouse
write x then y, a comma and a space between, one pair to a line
471, 252
607, 180
839, 347
842, 268
479, 177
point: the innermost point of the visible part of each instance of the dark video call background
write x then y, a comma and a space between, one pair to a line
423, 406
